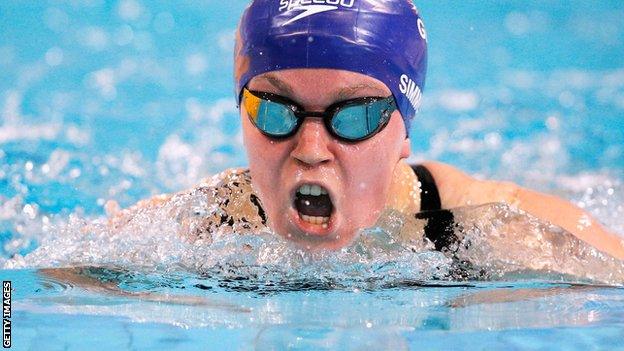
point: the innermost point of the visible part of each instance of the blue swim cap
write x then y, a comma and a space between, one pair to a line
384, 39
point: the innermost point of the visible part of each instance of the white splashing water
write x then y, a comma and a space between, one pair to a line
499, 242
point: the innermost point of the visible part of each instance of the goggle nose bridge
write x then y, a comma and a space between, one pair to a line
306, 114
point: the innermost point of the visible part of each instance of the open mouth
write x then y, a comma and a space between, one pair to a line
314, 204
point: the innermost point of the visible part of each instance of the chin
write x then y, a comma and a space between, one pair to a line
311, 240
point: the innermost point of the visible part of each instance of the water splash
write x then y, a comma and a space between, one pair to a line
210, 231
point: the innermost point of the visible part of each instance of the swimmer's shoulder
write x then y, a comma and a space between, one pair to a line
457, 189
223, 201
228, 176
235, 206
431, 185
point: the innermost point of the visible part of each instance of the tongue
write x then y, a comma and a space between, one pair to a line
309, 205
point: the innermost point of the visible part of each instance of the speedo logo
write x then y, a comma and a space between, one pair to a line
411, 90
312, 7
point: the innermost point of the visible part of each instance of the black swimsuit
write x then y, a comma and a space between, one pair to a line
440, 222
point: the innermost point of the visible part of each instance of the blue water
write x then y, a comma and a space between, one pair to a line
124, 99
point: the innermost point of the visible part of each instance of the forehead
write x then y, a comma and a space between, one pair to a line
337, 84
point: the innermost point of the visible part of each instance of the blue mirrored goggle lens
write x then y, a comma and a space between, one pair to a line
359, 121
272, 118
275, 119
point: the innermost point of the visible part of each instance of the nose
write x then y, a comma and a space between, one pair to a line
312, 141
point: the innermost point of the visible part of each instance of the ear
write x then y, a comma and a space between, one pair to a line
406, 148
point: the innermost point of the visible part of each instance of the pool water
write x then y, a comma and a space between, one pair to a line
223, 315
121, 100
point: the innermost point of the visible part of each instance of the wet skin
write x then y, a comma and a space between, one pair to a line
357, 176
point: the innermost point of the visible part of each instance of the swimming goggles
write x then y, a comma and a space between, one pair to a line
351, 120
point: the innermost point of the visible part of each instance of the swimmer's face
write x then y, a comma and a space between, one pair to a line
356, 176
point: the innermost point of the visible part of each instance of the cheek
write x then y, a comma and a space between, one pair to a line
265, 158
369, 166
366, 189
368, 173
261, 151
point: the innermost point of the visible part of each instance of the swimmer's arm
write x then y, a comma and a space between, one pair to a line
458, 189
78, 277
131, 219
118, 217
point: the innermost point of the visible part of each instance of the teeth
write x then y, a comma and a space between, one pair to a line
314, 190
316, 220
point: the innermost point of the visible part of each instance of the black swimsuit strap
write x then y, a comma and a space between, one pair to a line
440, 222
429, 195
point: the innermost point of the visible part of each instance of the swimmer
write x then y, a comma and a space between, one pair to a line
327, 96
